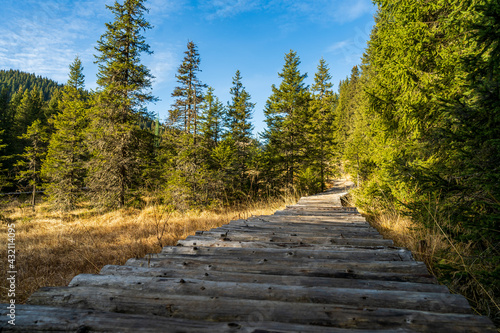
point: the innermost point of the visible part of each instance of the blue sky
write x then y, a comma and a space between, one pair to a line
253, 36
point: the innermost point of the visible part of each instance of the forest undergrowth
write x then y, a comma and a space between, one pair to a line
53, 246
455, 264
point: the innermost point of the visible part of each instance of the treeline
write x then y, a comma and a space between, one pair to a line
421, 130
24, 98
104, 147
15, 81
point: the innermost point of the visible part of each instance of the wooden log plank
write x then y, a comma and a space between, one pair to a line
291, 236
436, 302
391, 272
283, 242
303, 230
310, 213
332, 218
336, 217
37, 319
300, 225
377, 254
424, 284
290, 260
233, 309
407, 267
319, 206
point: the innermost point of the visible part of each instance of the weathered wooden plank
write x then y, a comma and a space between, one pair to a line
377, 254
319, 206
303, 228
233, 309
37, 319
407, 267
424, 283
291, 236
300, 225
310, 212
435, 302
276, 241
392, 271
290, 260
332, 218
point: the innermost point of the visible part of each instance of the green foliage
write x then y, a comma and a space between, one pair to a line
420, 124
24, 98
64, 167
31, 159
239, 113
211, 118
3, 178
15, 81
189, 94
119, 147
287, 112
238, 137
321, 146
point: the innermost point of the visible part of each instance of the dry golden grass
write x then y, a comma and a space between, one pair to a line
438, 251
52, 247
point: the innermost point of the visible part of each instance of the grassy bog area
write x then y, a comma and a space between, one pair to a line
53, 246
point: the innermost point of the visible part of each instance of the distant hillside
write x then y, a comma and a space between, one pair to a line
15, 80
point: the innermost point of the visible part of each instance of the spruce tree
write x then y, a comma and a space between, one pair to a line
7, 138
211, 119
239, 113
320, 131
239, 134
64, 167
3, 177
117, 143
287, 112
6, 114
29, 109
189, 93
31, 159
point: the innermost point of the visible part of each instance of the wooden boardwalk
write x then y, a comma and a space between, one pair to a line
313, 267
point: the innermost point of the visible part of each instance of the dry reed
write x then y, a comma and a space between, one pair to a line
52, 247
448, 260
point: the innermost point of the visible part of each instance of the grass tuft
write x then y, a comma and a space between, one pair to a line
53, 246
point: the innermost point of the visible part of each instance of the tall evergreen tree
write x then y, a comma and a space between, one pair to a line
6, 126
64, 167
239, 113
189, 93
29, 109
31, 159
320, 131
287, 112
3, 176
6, 114
211, 119
239, 135
117, 142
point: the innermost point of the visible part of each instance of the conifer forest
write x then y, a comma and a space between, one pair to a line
416, 126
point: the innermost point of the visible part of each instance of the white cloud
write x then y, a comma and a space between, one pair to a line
291, 15
160, 10
339, 46
228, 8
351, 10
46, 38
162, 66
352, 49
